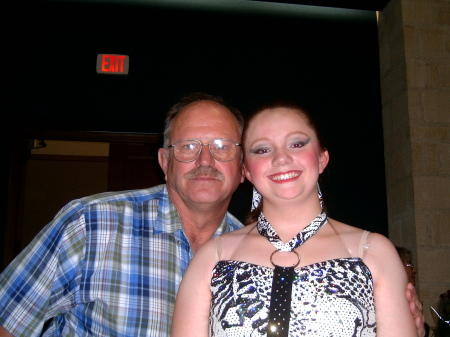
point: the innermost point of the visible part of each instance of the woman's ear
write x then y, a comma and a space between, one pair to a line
247, 173
323, 160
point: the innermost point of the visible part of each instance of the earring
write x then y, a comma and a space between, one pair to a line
256, 199
319, 193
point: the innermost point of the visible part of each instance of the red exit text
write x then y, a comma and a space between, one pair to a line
112, 64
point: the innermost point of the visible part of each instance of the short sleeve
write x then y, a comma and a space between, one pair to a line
42, 281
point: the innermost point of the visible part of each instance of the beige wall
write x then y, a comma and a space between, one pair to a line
66, 171
50, 184
414, 40
72, 148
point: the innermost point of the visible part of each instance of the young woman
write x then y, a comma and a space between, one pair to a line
292, 271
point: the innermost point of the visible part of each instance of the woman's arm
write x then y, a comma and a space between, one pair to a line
191, 315
393, 314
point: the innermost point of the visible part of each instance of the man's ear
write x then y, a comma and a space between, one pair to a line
323, 160
163, 160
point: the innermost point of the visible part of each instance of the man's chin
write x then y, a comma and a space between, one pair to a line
206, 195
204, 183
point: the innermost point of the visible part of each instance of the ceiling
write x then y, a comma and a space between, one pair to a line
371, 5
368, 5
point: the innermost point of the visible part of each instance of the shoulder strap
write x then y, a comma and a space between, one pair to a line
363, 244
218, 248
340, 237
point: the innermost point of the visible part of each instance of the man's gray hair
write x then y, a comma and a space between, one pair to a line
191, 98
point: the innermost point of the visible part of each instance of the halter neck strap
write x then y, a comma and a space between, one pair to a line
265, 229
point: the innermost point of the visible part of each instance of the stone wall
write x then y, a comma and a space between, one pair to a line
414, 40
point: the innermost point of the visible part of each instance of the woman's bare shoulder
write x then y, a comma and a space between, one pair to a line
379, 247
353, 237
236, 244
244, 231
346, 229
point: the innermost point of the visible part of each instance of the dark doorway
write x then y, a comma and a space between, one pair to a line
41, 184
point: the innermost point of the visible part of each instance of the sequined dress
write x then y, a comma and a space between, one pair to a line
329, 298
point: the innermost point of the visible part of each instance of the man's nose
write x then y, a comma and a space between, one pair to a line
205, 158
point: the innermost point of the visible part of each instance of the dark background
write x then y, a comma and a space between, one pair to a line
325, 59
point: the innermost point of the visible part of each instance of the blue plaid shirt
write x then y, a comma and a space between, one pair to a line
107, 265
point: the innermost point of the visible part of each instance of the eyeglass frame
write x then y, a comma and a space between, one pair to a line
201, 148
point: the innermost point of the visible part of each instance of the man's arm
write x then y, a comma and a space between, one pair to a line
42, 270
416, 309
4, 332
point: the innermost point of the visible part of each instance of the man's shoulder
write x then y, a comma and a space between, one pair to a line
138, 196
113, 201
233, 222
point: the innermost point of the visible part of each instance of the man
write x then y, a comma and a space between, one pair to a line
111, 264
406, 257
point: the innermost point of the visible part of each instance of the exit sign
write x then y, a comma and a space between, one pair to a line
112, 64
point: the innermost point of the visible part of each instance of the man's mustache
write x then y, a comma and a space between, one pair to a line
204, 171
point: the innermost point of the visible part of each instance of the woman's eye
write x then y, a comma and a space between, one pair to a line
299, 144
259, 150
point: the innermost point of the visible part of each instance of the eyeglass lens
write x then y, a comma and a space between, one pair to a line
189, 149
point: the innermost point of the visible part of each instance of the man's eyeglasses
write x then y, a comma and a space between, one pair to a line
410, 265
188, 150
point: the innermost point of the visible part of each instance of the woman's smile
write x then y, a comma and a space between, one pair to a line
280, 177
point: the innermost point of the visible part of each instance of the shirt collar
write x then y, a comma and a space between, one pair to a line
169, 221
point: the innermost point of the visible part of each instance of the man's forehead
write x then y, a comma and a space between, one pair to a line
208, 120
193, 109
204, 132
